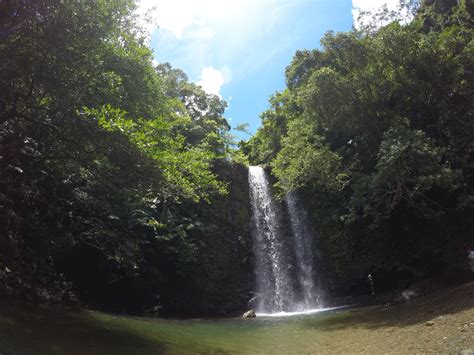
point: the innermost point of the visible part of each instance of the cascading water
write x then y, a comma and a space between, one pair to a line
274, 284
303, 238
280, 287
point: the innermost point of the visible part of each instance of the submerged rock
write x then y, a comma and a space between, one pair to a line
249, 314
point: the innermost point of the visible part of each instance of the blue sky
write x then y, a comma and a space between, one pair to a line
238, 49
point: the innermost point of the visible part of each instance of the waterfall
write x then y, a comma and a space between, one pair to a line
303, 246
274, 284
284, 274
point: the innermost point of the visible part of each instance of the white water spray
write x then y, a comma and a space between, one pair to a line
303, 238
285, 278
274, 285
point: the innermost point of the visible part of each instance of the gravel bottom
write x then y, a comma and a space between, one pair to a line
439, 323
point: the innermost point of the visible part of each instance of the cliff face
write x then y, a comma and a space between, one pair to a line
174, 258
200, 263
221, 278
401, 253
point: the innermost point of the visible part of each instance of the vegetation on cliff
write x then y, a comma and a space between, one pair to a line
376, 127
112, 168
119, 180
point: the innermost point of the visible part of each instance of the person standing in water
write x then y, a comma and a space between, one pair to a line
470, 258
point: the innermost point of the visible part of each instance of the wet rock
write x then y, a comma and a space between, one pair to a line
249, 314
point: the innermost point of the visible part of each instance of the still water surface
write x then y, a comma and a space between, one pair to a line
25, 329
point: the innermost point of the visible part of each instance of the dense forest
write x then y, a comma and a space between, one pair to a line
376, 129
114, 171
121, 186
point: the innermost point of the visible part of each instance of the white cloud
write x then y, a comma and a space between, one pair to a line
203, 33
212, 79
359, 6
178, 15
227, 74
211, 34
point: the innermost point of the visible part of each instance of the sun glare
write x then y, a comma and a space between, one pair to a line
177, 15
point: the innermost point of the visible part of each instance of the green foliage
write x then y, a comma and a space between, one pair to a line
262, 148
305, 159
376, 127
100, 150
186, 170
409, 166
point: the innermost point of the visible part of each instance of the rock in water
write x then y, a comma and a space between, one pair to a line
249, 314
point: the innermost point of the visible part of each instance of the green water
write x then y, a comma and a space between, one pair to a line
26, 329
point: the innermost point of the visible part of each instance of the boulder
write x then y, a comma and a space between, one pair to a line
249, 314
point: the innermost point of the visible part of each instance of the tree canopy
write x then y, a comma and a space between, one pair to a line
377, 127
100, 148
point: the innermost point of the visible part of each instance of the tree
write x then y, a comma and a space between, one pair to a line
98, 146
376, 128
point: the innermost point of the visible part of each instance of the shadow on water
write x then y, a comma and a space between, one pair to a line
27, 329
416, 311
